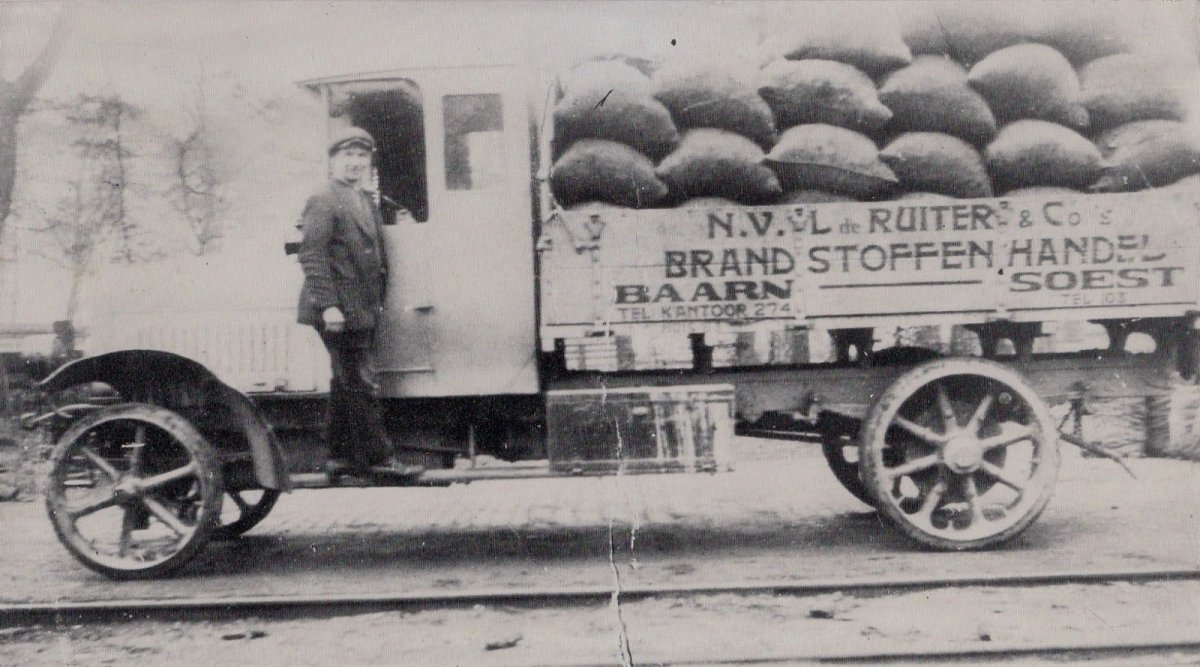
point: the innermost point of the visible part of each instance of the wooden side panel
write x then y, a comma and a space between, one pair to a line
888, 264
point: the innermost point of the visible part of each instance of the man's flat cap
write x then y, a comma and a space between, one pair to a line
350, 136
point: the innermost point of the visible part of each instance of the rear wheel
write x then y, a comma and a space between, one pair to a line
841, 453
243, 510
959, 453
134, 491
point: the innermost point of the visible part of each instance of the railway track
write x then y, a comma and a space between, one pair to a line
1064, 651
1181, 647
313, 606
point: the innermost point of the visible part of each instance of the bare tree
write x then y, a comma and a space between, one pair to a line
16, 95
197, 188
92, 212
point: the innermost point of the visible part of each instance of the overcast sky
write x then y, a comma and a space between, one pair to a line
140, 47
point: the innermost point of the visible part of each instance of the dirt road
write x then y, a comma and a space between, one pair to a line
780, 516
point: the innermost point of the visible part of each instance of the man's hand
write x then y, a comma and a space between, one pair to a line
334, 320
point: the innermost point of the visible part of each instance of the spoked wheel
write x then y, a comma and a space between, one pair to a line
960, 453
243, 510
134, 491
841, 453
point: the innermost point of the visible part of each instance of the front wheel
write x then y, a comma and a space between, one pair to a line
134, 491
959, 454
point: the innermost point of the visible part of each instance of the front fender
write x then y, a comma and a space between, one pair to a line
173, 381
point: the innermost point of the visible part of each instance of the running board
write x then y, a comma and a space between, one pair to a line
536, 470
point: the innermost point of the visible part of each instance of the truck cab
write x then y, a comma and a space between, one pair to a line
453, 169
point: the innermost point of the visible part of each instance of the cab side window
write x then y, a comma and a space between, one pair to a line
474, 141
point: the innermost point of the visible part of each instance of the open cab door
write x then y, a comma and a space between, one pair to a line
453, 171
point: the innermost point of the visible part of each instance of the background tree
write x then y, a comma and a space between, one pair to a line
196, 189
16, 95
201, 164
92, 213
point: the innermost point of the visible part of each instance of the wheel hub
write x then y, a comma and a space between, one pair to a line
126, 489
963, 454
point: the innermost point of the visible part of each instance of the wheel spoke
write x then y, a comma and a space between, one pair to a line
1008, 436
155, 481
916, 465
100, 463
1002, 476
243, 506
972, 494
93, 507
126, 533
949, 418
981, 412
135, 450
920, 431
932, 500
165, 516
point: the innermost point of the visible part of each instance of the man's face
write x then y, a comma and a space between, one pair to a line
350, 164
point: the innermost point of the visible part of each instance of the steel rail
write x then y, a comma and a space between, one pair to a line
998, 651
300, 606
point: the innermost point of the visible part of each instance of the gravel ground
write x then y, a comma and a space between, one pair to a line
774, 518
781, 515
654, 631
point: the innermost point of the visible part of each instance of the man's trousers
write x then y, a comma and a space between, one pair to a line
356, 434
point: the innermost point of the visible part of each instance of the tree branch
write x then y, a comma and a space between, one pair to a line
27, 85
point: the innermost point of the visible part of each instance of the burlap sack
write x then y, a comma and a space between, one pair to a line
921, 29
821, 91
716, 95
932, 95
642, 62
873, 45
717, 163
606, 171
611, 100
813, 197
707, 202
1084, 33
1030, 81
1124, 88
934, 162
584, 78
1174, 423
967, 31
1117, 425
923, 196
593, 207
1188, 186
1147, 154
1044, 191
830, 158
1036, 152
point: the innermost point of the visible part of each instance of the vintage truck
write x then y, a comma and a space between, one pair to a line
523, 340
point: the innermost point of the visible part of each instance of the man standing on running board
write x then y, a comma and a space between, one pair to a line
345, 275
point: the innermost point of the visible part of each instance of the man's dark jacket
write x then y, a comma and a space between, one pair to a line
343, 257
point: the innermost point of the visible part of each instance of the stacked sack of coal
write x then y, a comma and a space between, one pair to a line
693, 130
819, 81
1060, 96
924, 100
726, 127
608, 131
